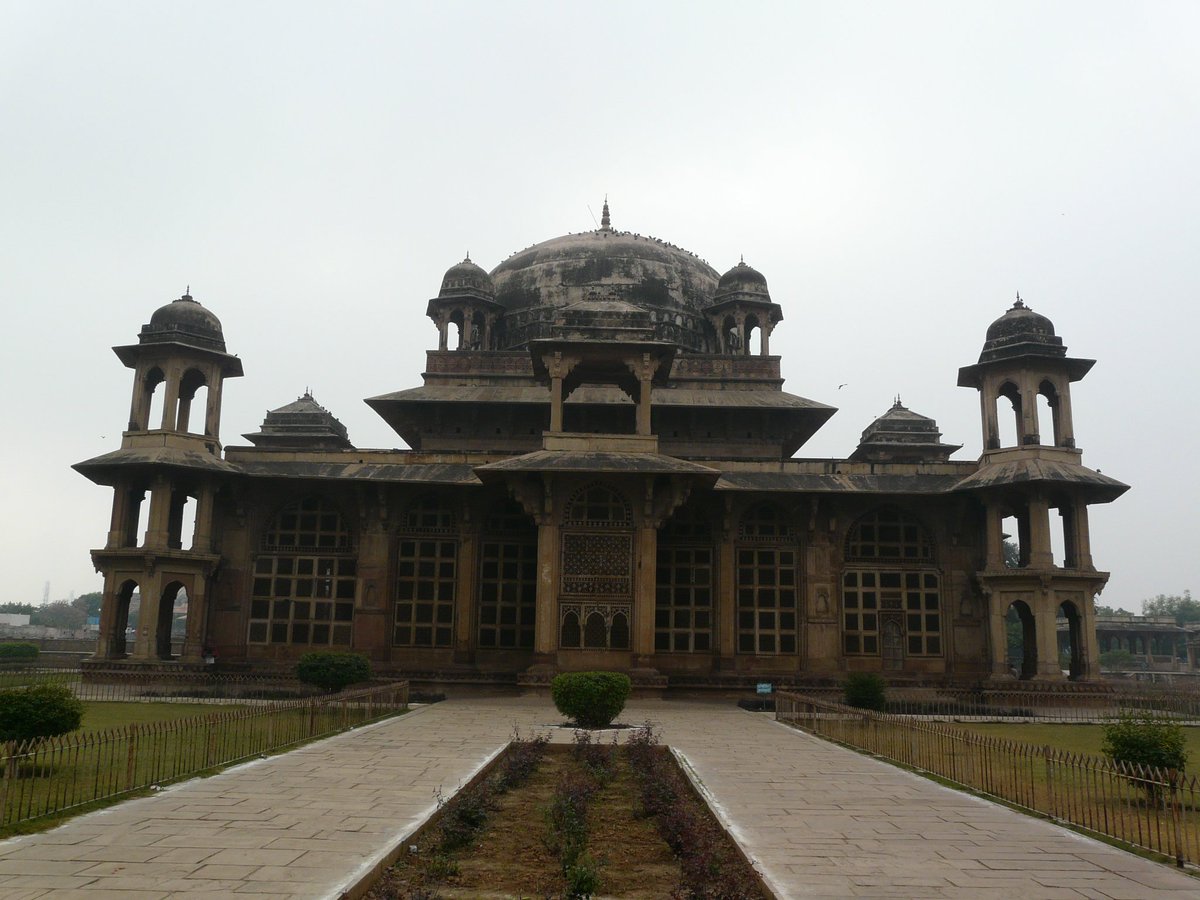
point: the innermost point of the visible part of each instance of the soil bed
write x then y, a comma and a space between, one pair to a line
510, 856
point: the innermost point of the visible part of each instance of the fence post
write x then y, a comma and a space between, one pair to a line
10, 774
312, 716
131, 758
1046, 751
1176, 816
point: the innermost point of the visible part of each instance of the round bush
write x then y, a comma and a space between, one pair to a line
1143, 740
18, 652
591, 699
866, 690
331, 671
44, 710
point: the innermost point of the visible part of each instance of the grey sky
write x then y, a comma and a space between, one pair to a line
897, 171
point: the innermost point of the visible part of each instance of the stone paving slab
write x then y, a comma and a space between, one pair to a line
818, 820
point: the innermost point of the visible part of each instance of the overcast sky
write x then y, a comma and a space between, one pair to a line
898, 171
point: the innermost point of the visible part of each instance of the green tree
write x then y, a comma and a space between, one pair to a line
1185, 610
59, 614
88, 603
25, 609
1110, 611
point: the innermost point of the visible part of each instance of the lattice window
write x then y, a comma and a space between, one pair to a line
914, 595
597, 564
303, 592
425, 584
312, 524
427, 516
598, 506
306, 600
888, 534
508, 580
683, 602
860, 615
766, 600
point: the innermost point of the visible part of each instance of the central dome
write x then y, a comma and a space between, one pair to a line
670, 283
641, 270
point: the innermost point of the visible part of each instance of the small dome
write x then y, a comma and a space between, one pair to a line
466, 278
184, 321
742, 279
901, 435
1020, 332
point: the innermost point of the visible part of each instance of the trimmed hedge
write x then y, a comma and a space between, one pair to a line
331, 670
44, 710
591, 699
18, 651
866, 690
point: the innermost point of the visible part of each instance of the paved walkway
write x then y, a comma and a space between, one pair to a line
818, 820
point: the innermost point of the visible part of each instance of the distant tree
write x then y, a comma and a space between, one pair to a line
1012, 555
88, 603
25, 609
1185, 610
59, 614
1109, 611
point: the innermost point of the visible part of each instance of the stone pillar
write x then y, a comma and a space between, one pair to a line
643, 405
997, 638
765, 329
197, 621
212, 409
987, 413
170, 400
202, 537
994, 536
108, 616
1066, 424
158, 527
1083, 539
644, 595
1040, 554
1029, 409
466, 594
145, 641
726, 600
1046, 618
545, 644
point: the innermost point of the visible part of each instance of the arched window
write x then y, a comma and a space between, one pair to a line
426, 576
1009, 436
304, 578
192, 387
599, 506
152, 400
683, 607
888, 534
890, 588
507, 579
767, 609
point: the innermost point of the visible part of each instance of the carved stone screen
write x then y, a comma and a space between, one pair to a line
597, 565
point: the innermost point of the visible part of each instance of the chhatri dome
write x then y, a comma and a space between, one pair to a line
184, 321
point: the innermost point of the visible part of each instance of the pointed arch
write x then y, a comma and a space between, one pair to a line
599, 505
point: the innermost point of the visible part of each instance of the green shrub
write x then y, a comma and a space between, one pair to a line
866, 690
592, 699
44, 710
1143, 740
1116, 660
331, 671
18, 652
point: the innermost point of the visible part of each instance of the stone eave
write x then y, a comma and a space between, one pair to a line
999, 475
104, 469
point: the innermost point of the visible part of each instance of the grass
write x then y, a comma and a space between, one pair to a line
103, 715
1072, 738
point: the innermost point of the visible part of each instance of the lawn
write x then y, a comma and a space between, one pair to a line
100, 716
1072, 738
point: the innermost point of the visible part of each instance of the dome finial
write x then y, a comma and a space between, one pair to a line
467, 258
187, 293
605, 222
1019, 304
897, 404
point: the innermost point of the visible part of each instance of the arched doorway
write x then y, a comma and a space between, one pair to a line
1021, 630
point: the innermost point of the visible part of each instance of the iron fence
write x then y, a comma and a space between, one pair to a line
1156, 809
1054, 704
53, 775
180, 686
